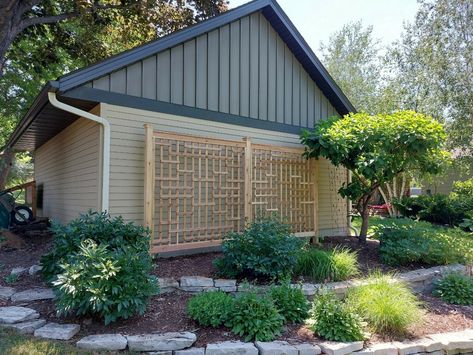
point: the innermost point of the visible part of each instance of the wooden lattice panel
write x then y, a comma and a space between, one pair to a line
283, 182
199, 190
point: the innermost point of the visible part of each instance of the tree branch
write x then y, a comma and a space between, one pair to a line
32, 21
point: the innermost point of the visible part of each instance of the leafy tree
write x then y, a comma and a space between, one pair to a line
43, 39
433, 66
352, 57
376, 149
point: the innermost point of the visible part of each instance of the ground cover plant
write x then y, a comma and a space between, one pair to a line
266, 248
334, 320
100, 266
291, 302
252, 315
388, 306
407, 241
255, 317
210, 308
455, 288
327, 265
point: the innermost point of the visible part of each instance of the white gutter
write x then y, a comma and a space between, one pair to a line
106, 142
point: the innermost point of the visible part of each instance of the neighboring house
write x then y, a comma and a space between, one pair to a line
224, 102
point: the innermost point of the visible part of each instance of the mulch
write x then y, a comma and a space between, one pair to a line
167, 312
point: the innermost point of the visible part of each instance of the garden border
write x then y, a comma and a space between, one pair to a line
419, 280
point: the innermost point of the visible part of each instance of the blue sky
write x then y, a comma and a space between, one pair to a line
317, 19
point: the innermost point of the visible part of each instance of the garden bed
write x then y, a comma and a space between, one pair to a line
202, 264
167, 312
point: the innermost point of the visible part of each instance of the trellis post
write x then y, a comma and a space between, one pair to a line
247, 186
149, 181
315, 196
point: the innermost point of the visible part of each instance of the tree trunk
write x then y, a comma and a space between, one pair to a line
364, 223
6, 162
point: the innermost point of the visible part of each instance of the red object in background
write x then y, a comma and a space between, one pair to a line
380, 209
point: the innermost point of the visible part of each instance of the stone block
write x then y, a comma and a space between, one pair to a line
190, 351
6, 292
276, 348
57, 331
409, 347
196, 281
161, 341
308, 349
231, 348
224, 283
103, 342
27, 327
34, 269
379, 349
33, 295
20, 270
336, 348
13, 314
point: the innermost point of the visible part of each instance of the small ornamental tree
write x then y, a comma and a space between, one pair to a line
376, 149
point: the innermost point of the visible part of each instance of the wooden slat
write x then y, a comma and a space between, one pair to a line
149, 179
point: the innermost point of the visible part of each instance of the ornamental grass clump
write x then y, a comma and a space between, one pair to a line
320, 265
455, 288
386, 304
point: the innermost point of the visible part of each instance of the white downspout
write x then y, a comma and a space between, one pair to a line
106, 142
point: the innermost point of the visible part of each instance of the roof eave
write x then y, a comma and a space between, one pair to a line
36, 107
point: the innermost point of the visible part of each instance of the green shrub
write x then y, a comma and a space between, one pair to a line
463, 188
210, 308
455, 288
266, 248
423, 243
440, 209
111, 284
99, 227
291, 302
255, 318
387, 305
334, 321
320, 265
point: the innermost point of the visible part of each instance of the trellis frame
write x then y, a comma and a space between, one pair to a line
249, 150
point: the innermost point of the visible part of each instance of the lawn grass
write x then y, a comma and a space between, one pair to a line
13, 343
374, 221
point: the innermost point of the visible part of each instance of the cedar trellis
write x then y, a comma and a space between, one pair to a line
198, 189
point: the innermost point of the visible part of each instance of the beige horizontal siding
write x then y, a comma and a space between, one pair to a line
127, 164
68, 167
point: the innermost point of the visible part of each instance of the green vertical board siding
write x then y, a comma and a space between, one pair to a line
254, 64
213, 70
272, 72
164, 76
201, 72
263, 69
243, 68
288, 86
133, 79
189, 73
149, 80
224, 70
118, 81
280, 85
177, 75
235, 68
